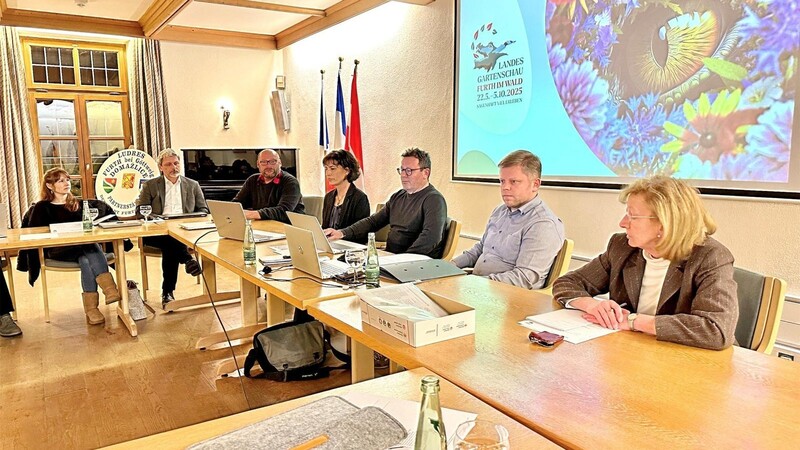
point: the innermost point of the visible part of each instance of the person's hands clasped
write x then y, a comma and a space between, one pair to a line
607, 314
252, 215
332, 234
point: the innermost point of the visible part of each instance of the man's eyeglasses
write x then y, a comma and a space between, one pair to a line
271, 162
408, 172
631, 217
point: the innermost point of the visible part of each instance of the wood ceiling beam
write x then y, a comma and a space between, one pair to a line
159, 14
266, 6
206, 36
68, 22
334, 15
417, 2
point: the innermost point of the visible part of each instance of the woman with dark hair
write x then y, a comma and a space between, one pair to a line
58, 205
345, 204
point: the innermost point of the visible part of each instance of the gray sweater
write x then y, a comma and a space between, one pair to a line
416, 222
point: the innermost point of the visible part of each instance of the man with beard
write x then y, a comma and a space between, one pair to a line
172, 193
272, 192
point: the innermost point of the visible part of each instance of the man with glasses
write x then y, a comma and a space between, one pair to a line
172, 193
523, 235
272, 192
416, 214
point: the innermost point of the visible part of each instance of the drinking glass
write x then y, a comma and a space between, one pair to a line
145, 210
356, 259
93, 213
481, 435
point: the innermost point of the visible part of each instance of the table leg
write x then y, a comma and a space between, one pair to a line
122, 283
276, 310
210, 275
362, 363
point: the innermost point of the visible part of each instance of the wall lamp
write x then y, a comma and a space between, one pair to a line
226, 114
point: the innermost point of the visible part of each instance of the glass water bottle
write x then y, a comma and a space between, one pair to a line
249, 245
372, 268
430, 427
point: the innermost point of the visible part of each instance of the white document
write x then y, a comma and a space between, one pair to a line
407, 413
66, 227
568, 323
35, 236
100, 220
401, 258
403, 300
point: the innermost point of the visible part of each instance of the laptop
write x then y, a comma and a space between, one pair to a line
303, 251
311, 224
426, 269
194, 226
230, 221
180, 215
3, 220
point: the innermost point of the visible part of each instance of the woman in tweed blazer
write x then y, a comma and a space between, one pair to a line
665, 275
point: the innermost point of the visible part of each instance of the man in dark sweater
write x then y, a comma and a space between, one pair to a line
416, 214
272, 192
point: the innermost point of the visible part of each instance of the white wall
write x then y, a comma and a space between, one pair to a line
200, 78
406, 98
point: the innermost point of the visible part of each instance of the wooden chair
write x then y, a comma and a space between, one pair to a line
153, 252
452, 233
313, 204
383, 234
559, 267
761, 300
54, 265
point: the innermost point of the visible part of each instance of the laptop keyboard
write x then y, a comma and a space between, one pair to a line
331, 268
265, 236
344, 246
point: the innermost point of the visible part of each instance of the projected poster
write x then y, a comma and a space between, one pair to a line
611, 90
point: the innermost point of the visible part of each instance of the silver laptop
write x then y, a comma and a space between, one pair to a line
311, 224
303, 251
230, 221
3, 220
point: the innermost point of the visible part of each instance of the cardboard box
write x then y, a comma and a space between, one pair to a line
460, 322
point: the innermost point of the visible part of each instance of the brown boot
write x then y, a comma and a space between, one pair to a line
109, 287
90, 302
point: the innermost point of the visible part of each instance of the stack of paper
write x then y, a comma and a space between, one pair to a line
568, 323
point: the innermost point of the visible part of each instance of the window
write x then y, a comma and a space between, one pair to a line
79, 106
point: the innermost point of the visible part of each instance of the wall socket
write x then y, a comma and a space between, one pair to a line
785, 356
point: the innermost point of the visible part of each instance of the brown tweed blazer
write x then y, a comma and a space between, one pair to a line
698, 304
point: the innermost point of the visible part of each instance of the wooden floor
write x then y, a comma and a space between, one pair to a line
67, 384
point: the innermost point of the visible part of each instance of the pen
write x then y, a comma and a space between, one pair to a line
317, 441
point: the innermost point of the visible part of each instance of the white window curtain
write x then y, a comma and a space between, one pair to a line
148, 98
19, 186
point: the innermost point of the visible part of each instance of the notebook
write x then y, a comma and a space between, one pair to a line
426, 269
230, 221
311, 224
303, 251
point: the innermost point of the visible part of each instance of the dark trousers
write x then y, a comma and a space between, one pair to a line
173, 253
5, 297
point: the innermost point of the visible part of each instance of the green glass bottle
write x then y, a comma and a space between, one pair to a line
430, 427
87, 218
249, 246
372, 267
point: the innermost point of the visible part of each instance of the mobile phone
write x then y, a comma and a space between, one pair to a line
545, 338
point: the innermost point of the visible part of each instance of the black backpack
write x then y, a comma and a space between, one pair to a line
292, 351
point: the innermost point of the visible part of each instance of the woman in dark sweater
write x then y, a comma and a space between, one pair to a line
345, 204
58, 205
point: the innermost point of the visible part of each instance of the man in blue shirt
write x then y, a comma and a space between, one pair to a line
523, 235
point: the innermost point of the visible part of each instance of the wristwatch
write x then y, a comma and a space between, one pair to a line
631, 319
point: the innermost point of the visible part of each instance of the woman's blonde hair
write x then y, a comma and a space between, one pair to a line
677, 205
47, 194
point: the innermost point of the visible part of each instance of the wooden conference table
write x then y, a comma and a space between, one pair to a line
403, 385
621, 390
39, 238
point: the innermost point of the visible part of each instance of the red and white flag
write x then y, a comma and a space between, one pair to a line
353, 141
